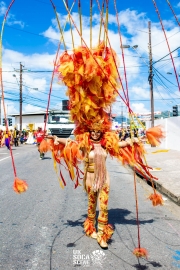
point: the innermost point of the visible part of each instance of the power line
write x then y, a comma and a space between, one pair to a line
166, 55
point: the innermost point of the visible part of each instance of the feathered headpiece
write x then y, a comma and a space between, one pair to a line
92, 81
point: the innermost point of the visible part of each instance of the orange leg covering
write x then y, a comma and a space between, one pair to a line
105, 230
89, 224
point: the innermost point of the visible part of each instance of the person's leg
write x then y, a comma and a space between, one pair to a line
105, 230
7, 143
38, 144
89, 224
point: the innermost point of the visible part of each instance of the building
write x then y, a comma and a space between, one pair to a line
36, 119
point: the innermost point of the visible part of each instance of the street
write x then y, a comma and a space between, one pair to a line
41, 229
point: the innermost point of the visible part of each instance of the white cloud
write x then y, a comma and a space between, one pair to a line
134, 30
133, 21
33, 61
178, 5
3, 8
140, 92
31, 108
11, 19
139, 108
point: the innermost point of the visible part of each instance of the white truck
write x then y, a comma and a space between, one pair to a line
59, 124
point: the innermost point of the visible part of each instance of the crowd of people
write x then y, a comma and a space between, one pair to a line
126, 132
14, 137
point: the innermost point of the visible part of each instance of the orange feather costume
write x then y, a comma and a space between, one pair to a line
92, 87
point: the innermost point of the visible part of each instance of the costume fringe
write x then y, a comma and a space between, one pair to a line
44, 146
140, 252
154, 135
89, 227
19, 185
156, 199
107, 232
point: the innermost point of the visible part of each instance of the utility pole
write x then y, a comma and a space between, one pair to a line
20, 97
150, 78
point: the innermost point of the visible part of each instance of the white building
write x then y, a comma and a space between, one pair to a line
35, 118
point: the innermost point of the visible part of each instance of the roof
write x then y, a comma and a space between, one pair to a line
37, 113
28, 113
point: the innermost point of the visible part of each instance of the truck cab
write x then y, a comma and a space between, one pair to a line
59, 124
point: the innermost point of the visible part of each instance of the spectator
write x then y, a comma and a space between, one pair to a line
39, 137
16, 137
21, 138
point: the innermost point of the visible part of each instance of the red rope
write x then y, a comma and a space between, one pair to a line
173, 12
50, 90
52, 78
137, 215
127, 101
98, 63
124, 66
156, 8
12, 2
2, 90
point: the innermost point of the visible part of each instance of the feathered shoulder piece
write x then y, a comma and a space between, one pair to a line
111, 143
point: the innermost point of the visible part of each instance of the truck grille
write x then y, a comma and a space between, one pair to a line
61, 132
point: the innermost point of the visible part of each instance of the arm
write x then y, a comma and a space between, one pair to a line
123, 143
129, 141
56, 139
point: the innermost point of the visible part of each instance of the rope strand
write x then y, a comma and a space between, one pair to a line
156, 8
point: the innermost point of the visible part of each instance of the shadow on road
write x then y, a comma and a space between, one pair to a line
145, 267
117, 216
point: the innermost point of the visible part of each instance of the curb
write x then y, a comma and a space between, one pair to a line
160, 188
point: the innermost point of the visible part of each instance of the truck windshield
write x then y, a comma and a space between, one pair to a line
59, 119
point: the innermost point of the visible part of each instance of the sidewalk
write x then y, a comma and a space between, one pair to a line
166, 167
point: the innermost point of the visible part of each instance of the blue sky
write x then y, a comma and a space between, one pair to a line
31, 36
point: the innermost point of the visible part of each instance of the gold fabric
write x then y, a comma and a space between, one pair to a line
95, 166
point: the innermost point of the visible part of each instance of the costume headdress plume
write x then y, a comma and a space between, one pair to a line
89, 89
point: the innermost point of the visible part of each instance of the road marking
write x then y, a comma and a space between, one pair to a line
8, 157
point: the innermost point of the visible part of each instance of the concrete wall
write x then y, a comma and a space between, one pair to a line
171, 126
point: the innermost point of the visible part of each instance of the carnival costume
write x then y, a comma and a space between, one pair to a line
93, 83
92, 88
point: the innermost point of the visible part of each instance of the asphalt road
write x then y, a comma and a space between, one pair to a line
41, 229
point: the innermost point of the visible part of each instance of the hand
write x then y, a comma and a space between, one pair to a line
49, 137
55, 140
136, 140
129, 141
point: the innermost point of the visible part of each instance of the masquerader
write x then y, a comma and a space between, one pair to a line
96, 181
92, 89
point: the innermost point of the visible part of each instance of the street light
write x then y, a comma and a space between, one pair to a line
128, 46
170, 73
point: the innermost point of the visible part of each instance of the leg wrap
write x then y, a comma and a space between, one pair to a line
89, 224
105, 230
